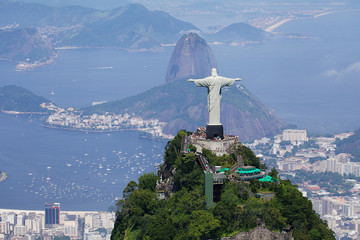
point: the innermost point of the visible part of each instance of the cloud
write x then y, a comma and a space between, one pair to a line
351, 70
331, 73
355, 67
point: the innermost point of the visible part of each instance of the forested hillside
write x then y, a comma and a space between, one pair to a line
184, 215
14, 98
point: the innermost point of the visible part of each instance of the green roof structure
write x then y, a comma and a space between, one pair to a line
267, 179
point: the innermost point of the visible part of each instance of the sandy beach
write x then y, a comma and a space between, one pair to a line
276, 25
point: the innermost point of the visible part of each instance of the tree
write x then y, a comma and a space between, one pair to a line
130, 187
274, 173
202, 225
173, 148
148, 181
248, 156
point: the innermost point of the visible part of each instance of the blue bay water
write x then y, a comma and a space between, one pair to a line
310, 82
82, 171
79, 77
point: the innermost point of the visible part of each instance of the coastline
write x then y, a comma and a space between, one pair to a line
91, 130
24, 66
108, 131
278, 24
337, 11
22, 113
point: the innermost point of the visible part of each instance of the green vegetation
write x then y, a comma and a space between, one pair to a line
14, 98
329, 181
350, 145
148, 181
183, 215
225, 161
309, 144
24, 44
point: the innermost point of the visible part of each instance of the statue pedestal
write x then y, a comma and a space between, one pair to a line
214, 131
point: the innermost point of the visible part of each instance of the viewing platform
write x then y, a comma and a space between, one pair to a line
216, 145
249, 172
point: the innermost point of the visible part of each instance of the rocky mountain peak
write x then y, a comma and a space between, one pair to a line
192, 57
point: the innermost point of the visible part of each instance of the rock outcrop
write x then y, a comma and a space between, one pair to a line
261, 233
192, 57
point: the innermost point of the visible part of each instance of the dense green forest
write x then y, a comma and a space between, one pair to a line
14, 98
184, 215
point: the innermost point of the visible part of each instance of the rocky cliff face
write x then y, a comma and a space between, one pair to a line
192, 57
260, 233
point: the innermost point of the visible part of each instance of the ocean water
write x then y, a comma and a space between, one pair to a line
82, 171
309, 82
79, 77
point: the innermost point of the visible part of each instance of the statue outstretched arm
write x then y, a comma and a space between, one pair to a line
201, 82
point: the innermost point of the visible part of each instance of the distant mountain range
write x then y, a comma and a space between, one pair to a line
18, 99
130, 27
183, 106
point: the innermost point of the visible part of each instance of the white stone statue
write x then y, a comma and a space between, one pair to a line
214, 83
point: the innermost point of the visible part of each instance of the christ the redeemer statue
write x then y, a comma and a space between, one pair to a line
214, 83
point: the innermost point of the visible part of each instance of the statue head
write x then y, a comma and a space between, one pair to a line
214, 72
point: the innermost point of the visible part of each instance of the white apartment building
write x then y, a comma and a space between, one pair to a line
20, 230
4, 228
294, 135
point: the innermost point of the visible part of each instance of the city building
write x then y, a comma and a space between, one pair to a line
294, 135
52, 215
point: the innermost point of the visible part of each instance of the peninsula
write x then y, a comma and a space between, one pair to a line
18, 100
